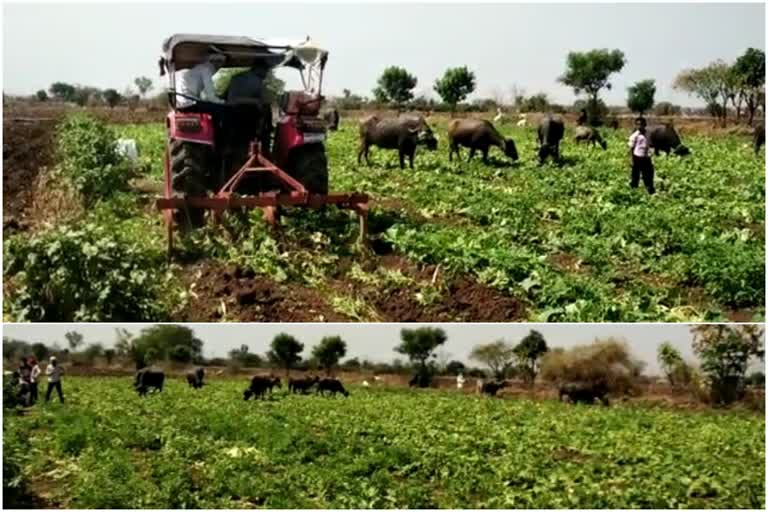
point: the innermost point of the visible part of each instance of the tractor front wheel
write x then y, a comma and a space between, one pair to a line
309, 165
188, 178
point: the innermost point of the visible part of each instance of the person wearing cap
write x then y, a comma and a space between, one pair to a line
54, 373
34, 377
197, 81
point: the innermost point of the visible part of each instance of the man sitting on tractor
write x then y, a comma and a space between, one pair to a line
197, 82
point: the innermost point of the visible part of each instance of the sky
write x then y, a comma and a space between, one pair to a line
504, 44
375, 342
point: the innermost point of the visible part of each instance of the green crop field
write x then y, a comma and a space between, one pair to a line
107, 448
573, 243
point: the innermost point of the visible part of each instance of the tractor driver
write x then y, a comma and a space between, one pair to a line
253, 115
197, 82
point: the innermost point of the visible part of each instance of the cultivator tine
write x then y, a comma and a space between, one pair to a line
362, 215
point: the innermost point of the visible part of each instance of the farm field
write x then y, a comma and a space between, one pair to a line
451, 241
378, 448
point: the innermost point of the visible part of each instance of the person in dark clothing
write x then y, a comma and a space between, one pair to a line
25, 382
640, 156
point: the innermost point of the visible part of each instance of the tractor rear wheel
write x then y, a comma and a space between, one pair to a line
188, 178
309, 165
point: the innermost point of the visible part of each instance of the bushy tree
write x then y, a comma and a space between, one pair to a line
536, 103
244, 357
529, 352
143, 84
112, 97
750, 72
351, 364
40, 351
419, 345
640, 96
498, 356
455, 85
329, 351
93, 351
725, 352
589, 72
669, 359
74, 339
62, 91
715, 83
395, 85
41, 95
285, 351
665, 108
160, 343
109, 355
455, 368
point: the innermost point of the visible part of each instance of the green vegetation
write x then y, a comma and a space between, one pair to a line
107, 448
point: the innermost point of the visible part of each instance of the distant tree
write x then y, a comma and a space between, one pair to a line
725, 352
665, 108
536, 103
109, 355
74, 339
329, 351
640, 96
455, 368
84, 94
143, 84
498, 356
13, 348
419, 345
589, 72
62, 91
669, 359
750, 73
112, 97
455, 85
715, 83
93, 351
126, 346
41, 95
395, 85
164, 341
756, 379
40, 351
285, 351
180, 354
529, 352
351, 364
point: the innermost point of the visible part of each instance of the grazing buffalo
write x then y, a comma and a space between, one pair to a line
491, 388
195, 378
333, 386
758, 139
550, 133
259, 386
403, 133
477, 135
147, 379
331, 117
664, 138
302, 385
584, 392
589, 135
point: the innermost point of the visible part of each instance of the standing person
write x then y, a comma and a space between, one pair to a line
197, 82
25, 388
54, 373
640, 156
460, 381
34, 378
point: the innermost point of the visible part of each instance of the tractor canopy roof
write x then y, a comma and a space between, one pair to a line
187, 50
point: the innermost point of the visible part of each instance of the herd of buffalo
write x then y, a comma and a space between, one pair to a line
259, 386
408, 131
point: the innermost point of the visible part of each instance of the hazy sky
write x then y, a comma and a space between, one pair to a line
504, 44
376, 341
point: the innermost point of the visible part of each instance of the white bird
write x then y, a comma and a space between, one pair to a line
522, 122
499, 115
365, 383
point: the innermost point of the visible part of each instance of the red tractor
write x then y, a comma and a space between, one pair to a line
228, 155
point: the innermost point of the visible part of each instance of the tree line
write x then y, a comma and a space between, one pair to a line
86, 95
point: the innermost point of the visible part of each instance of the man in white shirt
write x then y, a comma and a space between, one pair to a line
54, 373
640, 156
197, 82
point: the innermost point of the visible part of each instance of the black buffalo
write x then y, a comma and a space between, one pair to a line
758, 139
332, 118
403, 133
491, 388
664, 138
332, 386
589, 135
147, 379
420, 380
302, 385
259, 386
584, 392
195, 378
477, 135
549, 134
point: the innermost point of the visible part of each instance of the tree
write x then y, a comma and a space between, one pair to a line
62, 91
640, 96
716, 84
329, 351
665, 108
536, 103
285, 351
589, 72
93, 351
273, 87
40, 351
498, 356
74, 339
725, 352
162, 342
180, 354
669, 359
143, 84
529, 352
109, 355
41, 95
85, 94
351, 364
244, 357
455, 368
112, 97
455, 85
750, 72
419, 345
395, 85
